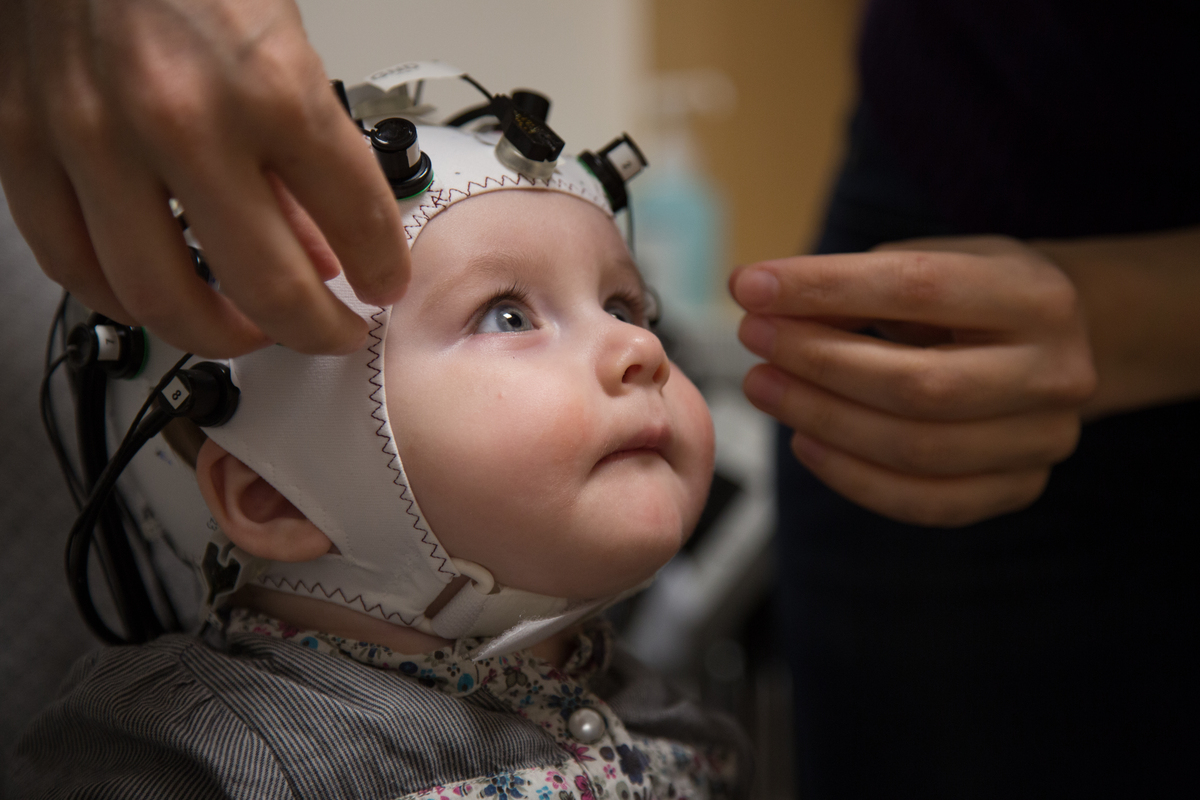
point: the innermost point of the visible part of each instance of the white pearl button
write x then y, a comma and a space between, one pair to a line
586, 725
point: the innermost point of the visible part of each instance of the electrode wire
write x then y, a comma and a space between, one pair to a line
80, 539
46, 403
477, 85
50, 425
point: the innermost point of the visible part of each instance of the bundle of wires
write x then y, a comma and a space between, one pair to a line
104, 520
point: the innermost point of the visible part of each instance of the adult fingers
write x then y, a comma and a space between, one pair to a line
40, 196
918, 499
953, 290
335, 176
259, 261
323, 259
292, 120
147, 264
135, 240
46, 211
216, 135
306, 138
914, 447
946, 382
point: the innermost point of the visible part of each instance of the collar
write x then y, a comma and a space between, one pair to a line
456, 671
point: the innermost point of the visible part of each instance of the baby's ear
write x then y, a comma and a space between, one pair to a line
252, 512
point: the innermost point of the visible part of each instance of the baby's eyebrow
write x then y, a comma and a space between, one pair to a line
627, 265
499, 265
505, 267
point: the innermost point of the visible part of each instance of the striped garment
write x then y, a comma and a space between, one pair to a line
253, 714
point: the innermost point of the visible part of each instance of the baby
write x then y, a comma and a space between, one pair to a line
412, 542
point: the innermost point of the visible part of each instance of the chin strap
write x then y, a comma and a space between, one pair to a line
529, 632
513, 619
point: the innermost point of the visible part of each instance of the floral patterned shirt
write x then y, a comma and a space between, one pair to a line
601, 760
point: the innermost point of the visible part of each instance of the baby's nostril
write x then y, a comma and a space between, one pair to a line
631, 373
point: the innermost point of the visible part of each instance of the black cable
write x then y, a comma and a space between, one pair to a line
46, 403
79, 540
162, 384
50, 425
117, 559
477, 85
629, 226
119, 564
116, 556
58, 319
470, 115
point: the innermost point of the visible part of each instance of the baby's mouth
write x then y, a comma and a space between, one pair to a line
651, 440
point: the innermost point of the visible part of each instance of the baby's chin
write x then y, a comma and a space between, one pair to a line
635, 561
598, 588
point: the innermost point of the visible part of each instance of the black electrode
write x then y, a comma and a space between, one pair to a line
529, 136
119, 349
532, 104
615, 165
205, 394
408, 170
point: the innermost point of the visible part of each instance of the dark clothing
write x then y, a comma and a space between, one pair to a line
1041, 117
1049, 652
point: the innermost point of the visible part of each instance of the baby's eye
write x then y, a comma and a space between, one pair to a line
639, 309
504, 318
621, 310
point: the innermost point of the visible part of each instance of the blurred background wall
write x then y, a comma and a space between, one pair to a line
587, 56
791, 64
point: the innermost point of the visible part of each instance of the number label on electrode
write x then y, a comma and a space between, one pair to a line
625, 161
176, 393
109, 344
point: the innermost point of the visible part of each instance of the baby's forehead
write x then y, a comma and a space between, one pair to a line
518, 231
547, 246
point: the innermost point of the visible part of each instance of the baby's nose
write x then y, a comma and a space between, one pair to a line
635, 357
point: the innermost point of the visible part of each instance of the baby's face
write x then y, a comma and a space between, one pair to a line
545, 433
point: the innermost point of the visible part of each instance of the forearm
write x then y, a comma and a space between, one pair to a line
1141, 299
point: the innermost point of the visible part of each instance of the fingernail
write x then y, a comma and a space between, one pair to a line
764, 387
385, 290
810, 451
758, 334
756, 288
352, 344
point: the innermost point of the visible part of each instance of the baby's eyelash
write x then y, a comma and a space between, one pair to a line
514, 293
635, 301
643, 307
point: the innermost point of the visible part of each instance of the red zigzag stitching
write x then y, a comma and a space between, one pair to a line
295, 587
439, 202
405, 492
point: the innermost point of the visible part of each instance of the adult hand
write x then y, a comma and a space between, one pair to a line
110, 107
959, 406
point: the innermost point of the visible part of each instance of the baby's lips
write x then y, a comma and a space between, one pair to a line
654, 437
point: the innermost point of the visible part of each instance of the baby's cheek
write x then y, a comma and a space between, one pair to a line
527, 438
550, 440
693, 423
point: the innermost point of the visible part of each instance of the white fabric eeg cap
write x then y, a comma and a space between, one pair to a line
317, 429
